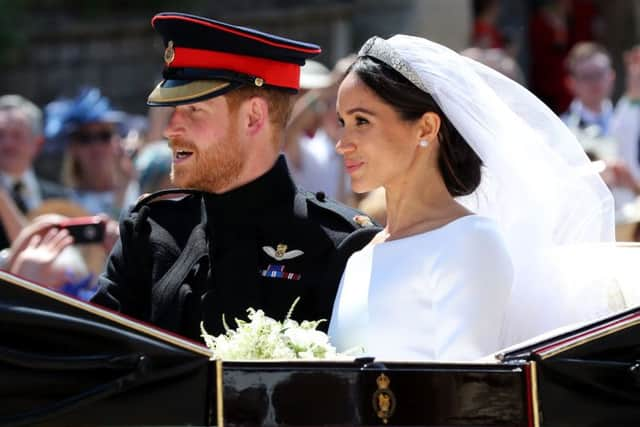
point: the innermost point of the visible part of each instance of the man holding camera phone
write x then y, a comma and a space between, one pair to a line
42, 253
243, 235
21, 190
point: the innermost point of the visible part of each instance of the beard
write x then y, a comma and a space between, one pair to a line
213, 170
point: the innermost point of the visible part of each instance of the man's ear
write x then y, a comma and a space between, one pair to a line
257, 114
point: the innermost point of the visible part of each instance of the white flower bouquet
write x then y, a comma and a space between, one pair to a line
265, 338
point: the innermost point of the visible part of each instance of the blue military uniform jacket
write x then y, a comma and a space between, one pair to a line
180, 262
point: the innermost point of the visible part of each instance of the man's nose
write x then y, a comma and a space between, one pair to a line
175, 126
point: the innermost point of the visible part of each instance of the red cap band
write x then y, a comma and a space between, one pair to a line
275, 73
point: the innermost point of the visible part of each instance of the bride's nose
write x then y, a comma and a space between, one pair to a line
344, 147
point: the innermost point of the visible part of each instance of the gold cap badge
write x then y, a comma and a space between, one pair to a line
169, 53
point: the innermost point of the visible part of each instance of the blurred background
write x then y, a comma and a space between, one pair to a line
49, 47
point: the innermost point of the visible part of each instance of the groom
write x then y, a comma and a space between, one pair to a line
243, 235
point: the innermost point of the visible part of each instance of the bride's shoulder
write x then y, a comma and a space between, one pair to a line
475, 234
467, 226
481, 226
478, 245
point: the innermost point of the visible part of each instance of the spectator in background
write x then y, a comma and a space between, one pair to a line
34, 252
586, 21
21, 139
314, 75
43, 253
157, 120
596, 124
486, 34
305, 120
313, 131
95, 164
625, 125
134, 130
11, 220
498, 60
591, 78
625, 172
554, 28
153, 167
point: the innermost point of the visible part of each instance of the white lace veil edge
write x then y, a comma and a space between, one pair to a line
538, 184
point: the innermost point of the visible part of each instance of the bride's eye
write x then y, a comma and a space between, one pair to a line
340, 122
361, 121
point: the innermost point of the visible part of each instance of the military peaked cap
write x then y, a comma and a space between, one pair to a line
206, 58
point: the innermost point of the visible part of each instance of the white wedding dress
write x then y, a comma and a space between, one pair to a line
439, 295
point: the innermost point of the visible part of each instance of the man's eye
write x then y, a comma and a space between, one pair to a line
341, 122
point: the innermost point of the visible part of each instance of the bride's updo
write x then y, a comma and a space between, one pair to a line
459, 165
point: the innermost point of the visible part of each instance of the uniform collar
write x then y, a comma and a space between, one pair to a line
273, 188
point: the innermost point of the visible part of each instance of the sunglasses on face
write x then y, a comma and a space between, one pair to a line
86, 138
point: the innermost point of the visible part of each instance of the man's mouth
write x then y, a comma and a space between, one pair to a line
182, 150
181, 155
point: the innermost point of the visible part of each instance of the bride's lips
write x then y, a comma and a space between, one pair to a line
352, 165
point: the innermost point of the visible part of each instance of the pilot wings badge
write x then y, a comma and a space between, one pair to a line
280, 252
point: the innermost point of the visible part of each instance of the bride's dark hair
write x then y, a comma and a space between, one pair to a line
460, 166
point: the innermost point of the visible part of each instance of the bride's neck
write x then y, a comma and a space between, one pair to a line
417, 204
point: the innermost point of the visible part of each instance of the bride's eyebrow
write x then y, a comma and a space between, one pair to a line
360, 110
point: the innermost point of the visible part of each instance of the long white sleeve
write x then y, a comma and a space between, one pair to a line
440, 295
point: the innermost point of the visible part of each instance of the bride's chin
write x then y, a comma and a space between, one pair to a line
360, 188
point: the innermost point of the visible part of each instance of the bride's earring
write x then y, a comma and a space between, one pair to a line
423, 143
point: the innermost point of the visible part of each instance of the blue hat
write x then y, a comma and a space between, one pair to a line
63, 116
206, 58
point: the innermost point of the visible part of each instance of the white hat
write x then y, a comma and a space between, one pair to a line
627, 220
314, 75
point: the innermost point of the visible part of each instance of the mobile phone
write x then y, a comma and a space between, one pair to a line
85, 229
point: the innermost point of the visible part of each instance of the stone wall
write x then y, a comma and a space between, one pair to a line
118, 51
123, 55
120, 57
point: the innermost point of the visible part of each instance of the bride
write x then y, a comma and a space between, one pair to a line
484, 185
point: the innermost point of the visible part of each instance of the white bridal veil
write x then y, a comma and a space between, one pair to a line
537, 184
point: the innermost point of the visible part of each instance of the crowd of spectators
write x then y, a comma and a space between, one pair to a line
97, 163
